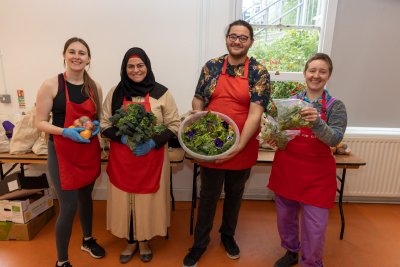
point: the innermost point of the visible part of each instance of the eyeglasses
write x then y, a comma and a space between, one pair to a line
234, 37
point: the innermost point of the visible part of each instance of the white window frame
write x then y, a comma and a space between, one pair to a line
325, 42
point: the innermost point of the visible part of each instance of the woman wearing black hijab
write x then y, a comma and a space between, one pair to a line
138, 206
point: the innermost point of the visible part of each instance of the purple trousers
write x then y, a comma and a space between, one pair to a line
313, 226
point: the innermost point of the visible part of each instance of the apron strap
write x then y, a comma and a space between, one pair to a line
323, 110
66, 87
246, 67
146, 100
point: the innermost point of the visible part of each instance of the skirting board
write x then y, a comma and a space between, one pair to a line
260, 194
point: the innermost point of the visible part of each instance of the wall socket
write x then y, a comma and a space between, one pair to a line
5, 99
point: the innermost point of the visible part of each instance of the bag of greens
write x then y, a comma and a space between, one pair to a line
270, 132
289, 113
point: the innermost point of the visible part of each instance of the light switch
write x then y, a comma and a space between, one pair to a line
5, 99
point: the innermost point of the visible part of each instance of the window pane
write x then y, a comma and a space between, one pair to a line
283, 90
286, 32
285, 50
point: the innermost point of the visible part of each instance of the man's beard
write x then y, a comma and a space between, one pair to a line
242, 54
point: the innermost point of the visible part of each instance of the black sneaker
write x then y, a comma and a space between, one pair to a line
290, 258
65, 264
193, 257
231, 248
91, 246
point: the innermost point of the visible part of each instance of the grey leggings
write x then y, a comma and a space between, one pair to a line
69, 201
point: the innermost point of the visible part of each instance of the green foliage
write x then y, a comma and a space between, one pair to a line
209, 135
270, 132
287, 53
281, 90
135, 122
289, 116
291, 119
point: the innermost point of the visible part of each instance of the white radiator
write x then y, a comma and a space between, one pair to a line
379, 180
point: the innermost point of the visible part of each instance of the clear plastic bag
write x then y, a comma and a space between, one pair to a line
289, 113
270, 131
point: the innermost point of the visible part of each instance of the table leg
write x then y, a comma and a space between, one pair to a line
1, 172
171, 192
21, 165
340, 191
194, 195
4, 174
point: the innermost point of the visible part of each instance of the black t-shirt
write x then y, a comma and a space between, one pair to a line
59, 102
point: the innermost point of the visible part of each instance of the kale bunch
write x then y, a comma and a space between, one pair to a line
209, 135
136, 123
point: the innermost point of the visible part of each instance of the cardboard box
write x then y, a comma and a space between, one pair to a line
25, 231
16, 185
24, 210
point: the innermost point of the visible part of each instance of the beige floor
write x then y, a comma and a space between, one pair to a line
372, 239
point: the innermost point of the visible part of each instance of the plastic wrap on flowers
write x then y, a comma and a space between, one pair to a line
208, 135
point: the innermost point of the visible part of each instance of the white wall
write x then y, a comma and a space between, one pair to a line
179, 36
365, 54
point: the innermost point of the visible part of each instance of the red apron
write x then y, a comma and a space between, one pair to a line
78, 163
306, 170
131, 173
232, 98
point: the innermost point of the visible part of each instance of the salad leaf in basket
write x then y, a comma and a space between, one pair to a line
136, 123
209, 135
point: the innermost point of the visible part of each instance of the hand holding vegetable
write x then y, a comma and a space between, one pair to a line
309, 114
124, 139
271, 134
90, 129
74, 134
96, 128
289, 113
144, 148
272, 143
136, 124
231, 155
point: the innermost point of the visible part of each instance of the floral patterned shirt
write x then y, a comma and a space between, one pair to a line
259, 81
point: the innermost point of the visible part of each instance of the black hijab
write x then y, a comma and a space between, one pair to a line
128, 88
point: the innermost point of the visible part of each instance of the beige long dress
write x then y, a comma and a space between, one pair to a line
151, 212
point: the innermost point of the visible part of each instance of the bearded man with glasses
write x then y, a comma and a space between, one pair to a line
238, 87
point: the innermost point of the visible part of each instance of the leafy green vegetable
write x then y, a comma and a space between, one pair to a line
282, 89
272, 132
209, 135
289, 116
138, 124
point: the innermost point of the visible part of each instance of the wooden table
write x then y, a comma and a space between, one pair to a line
176, 156
266, 157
